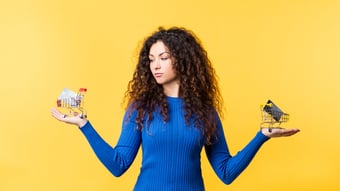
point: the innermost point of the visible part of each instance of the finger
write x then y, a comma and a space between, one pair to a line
56, 114
290, 132
281, 132
287, 132
276, 130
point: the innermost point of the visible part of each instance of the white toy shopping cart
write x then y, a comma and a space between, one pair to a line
73, 102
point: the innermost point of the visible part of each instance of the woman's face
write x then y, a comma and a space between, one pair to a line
161, 65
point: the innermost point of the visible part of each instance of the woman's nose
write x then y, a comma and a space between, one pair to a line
157, 64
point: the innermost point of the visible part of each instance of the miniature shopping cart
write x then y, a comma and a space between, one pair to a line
272, 116
73, 102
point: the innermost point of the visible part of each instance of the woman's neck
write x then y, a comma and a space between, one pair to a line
171, 90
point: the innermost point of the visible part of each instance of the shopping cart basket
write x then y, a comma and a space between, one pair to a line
73, 102
272, 116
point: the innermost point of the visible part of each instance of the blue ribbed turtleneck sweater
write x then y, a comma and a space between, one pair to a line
171, 152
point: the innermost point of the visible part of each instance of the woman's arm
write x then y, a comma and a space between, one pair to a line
228, 167
118, 159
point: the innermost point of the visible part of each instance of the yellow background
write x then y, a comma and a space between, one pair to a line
287, 51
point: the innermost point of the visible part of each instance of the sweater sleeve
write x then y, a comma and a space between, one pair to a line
119, 158
228, 167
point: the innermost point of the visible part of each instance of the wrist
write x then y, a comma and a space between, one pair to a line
266, 132
82, 123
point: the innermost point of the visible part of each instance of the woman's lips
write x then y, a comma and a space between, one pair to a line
158, 74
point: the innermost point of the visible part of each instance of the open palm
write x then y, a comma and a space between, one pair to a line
75, 119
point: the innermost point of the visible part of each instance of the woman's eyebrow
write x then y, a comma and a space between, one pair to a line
160, 54
164, 53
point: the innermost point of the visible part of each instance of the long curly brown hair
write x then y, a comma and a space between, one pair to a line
198, 84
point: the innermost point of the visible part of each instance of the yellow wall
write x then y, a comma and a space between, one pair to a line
287, 51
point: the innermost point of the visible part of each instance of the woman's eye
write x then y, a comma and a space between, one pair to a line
165, 58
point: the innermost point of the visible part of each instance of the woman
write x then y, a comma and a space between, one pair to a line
172, 112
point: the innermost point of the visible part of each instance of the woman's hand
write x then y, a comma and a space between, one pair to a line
76, 119
279, 132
